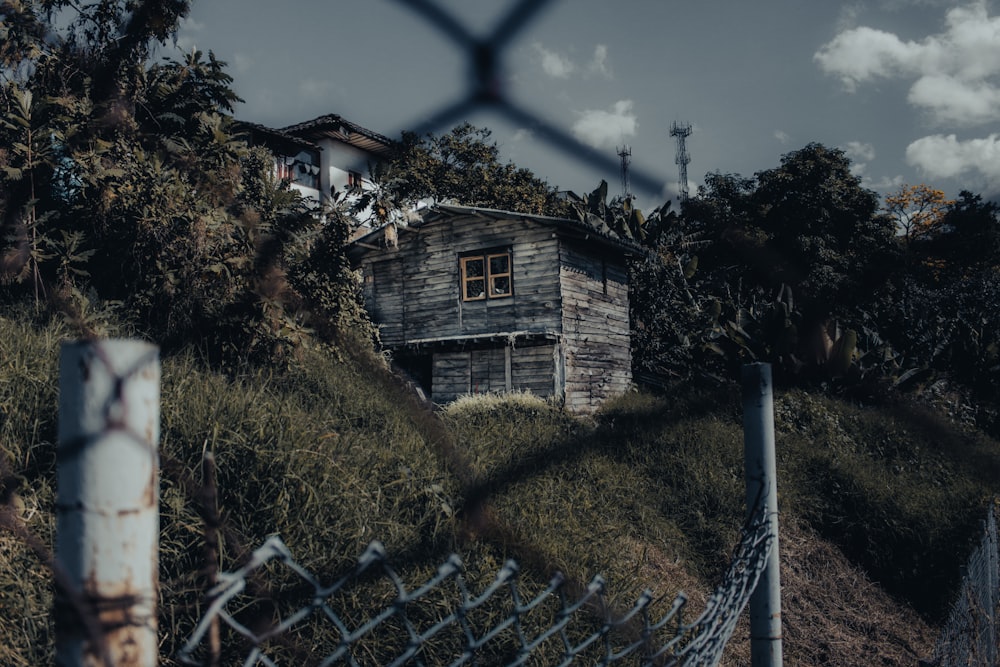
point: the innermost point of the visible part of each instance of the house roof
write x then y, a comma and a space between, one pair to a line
333, 126
276, 139
598, 233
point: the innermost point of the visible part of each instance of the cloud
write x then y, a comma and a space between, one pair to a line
941, 156
951, 100
859, 151
860, 154
782, 136
522, 134
861, 54
599, 63
187, 32
956, 73
602, 129
554, 64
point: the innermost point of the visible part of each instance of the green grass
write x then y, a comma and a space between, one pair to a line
330, 452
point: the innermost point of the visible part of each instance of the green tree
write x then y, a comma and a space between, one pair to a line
792, 264
126, 183
464, 165
830, 243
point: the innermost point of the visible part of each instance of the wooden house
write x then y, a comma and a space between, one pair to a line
473, 300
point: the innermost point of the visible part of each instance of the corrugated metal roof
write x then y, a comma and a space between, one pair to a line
339, 128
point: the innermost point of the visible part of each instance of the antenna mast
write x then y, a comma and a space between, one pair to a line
625, 154
682, 131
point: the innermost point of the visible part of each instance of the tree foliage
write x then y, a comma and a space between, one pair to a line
801, 267
125, 183
464, 165
919, 210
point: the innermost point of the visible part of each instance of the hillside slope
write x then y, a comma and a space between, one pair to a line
331, 452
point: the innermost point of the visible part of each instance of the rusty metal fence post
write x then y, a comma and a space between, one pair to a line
761, 480
107, 531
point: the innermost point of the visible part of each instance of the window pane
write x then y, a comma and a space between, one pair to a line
501, 286
475, 288
499, 264
474, 268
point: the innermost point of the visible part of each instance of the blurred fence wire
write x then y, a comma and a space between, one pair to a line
486, 87
633, 636
969, 638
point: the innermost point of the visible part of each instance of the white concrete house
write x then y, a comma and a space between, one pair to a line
324, 155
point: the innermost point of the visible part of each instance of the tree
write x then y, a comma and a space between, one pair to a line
464, 165
125, 183
918, 210
789, 266
830, 243
968, 238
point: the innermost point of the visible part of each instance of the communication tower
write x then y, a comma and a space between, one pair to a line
625, 154
682, 131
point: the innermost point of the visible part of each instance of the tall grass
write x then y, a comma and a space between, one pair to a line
330, 452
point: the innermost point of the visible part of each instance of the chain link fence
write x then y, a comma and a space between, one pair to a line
418, 619
969, 637
486, 87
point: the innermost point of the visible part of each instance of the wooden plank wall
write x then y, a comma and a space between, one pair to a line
429, 303
571, 289
386, 300
595, 327
531, 368
452, 376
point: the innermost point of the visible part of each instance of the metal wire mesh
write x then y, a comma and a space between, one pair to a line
486, 86
970, 635
633, 636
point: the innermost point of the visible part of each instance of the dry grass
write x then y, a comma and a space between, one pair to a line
331, 453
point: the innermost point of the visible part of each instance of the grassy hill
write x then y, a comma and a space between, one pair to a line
880, 506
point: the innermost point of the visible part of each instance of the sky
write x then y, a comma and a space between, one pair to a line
909, 89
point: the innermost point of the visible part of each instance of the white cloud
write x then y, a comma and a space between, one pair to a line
599, 63
861, 54
956, 73
522, 134
187, 30
782, 136
951, 100
860, 154
941, 156
554, 64
602, 129
859, 151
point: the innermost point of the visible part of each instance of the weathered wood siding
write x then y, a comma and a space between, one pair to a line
574, 292
386, 301
595, 327
525, 368
425, 301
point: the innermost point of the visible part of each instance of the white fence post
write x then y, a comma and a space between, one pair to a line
107, 530
761, 478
